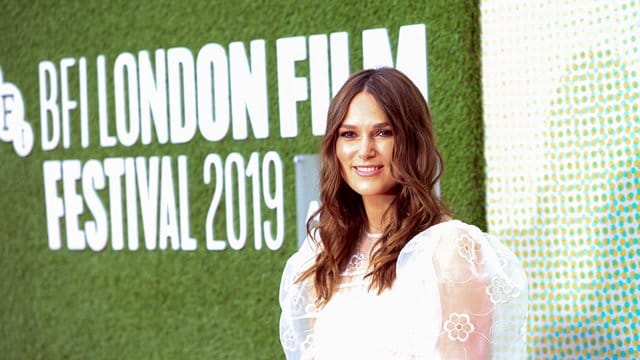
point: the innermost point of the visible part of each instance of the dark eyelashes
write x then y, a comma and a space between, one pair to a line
383, 133
346, 134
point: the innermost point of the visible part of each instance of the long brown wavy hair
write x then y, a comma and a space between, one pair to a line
416, 165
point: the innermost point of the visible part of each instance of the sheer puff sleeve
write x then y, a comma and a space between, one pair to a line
297, 301
476, 286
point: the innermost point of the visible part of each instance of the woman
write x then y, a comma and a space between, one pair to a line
385, 273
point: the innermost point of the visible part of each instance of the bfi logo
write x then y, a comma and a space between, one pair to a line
13, 126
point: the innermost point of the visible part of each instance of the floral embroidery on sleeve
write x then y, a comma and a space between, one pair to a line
468, 248
307, 345
500, 290
289, 340
459, 327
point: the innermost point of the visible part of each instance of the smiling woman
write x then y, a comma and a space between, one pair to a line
385, 272
365, 148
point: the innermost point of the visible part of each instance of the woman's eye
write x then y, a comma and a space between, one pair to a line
384, 132
347, 134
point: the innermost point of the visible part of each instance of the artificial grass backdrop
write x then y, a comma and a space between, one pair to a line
200, 304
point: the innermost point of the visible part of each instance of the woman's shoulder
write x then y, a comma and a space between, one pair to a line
451, 227
436, 235
455, 247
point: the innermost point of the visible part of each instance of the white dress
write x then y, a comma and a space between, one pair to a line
458, 294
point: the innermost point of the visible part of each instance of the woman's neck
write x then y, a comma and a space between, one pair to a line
375, 207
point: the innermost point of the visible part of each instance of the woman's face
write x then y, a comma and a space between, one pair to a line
365, 147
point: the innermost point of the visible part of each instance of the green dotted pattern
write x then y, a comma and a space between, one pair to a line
575, 223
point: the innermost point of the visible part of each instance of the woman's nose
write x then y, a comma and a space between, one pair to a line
366, 148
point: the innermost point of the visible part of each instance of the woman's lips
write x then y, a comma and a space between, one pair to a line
368, 170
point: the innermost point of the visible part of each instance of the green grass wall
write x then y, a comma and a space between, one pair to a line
200, 304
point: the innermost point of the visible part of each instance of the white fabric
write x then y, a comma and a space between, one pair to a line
458, 294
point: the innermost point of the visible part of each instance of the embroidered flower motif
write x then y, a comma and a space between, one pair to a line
458, 327
357, 264
468, 249
307, 345
500, 290
288, 340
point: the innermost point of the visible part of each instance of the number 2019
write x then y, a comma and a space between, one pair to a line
232, 176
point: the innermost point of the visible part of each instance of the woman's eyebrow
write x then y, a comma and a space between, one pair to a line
382, 125
375, 126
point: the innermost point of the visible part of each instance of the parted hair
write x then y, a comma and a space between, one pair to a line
416, 165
